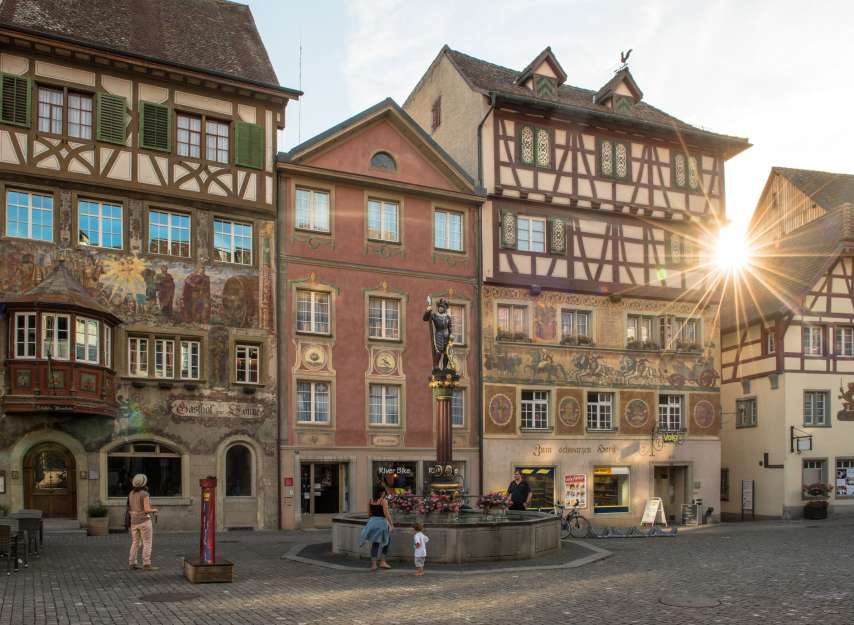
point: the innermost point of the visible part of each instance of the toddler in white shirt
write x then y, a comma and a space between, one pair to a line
420, 541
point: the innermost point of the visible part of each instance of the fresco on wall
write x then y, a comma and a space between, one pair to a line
607, 363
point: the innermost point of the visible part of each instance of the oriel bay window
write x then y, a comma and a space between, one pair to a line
232, 241
312, 210
86, 335
29, 215
312, 402
56, 338
99, 224
383, 318
248, 362
25, 335
160, 463
312, 311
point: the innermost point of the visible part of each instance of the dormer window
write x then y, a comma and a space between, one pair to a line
383, 160
545, 86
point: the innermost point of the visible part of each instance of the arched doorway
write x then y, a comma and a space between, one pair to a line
240, 505
50, 483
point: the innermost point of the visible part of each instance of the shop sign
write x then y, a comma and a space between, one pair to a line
575, 488
546, 450
845, 482
670, 437
222, 409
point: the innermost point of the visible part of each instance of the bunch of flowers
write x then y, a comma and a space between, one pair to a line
441, 503
412, 504
819, 490
408, 504
494, 499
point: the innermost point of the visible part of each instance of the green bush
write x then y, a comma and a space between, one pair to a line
97, 511
4, 510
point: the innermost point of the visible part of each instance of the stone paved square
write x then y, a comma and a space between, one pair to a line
764, 573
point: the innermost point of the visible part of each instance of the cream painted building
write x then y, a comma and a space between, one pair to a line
599, 347
788, 351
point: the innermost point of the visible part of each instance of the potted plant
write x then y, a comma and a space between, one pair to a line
818, 495
98, 520
495, 501
3, 510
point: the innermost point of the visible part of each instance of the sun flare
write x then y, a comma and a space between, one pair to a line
733, 252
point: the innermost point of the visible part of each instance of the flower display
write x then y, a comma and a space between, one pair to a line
494, 499
818, 489
413, 504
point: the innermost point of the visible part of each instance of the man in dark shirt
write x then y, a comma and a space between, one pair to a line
520, 492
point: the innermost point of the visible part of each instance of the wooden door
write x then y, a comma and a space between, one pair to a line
50, 483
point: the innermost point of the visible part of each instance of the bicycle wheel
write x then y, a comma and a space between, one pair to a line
565, 530
579, 527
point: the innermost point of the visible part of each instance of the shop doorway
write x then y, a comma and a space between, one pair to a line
542, 483
671, 484
323, 492
50, 483
240, 505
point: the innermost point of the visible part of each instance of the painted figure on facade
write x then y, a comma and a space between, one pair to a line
165, 290
847, 397
441, 329
196, 297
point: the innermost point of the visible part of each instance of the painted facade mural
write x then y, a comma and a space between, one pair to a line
547, 358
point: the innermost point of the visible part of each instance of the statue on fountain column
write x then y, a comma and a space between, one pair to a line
441, 331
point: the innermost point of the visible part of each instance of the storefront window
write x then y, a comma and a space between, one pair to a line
398, 476
845, 477
542, 483
610, 489
161, 464
427, 475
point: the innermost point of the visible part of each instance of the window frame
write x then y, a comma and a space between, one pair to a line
248, 347
313, 304
668, 407
185, 343
203, 118
383, 201
814, 394
839, 341
312, 210
79, 199
232, 236
448, 230
166, 370
824, 469
138, 351
150, 362
65, 111
56, 316
849, 462
30, 191
808, 331
459, 332
384, 299
86, 336
29, 327
531, 219
313, 384
769, 340
753, 413
539, 400
599, 404
510, 333
149, 209
171, 452
643, 323
576, 314
461, 403
384, 413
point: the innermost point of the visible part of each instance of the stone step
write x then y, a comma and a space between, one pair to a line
63, 526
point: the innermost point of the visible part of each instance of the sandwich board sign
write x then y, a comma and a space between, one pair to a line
654, 512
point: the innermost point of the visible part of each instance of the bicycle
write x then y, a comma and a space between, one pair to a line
572, 523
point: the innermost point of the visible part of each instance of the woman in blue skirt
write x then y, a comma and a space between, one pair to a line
378, 529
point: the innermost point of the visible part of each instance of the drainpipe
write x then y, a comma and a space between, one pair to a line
477, 293
281, 388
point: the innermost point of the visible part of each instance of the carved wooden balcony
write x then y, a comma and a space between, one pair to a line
42, 386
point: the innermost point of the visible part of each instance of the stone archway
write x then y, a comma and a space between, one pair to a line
50, 480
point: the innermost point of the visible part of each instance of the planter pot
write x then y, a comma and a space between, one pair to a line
98, 526
815, 510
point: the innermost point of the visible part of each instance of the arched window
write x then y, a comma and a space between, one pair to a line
383, 160
160, 463
238, 471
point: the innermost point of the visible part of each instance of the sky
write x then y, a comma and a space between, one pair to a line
773, 72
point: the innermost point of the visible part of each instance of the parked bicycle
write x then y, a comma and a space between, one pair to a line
572, 523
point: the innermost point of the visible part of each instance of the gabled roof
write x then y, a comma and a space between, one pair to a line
489, 78
215, 36
781, 273
389, 109
826, 189
60, 288
622, 76
546, 56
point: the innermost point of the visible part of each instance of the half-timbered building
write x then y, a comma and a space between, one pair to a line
137, 247
376, 218
787, 351
600, 352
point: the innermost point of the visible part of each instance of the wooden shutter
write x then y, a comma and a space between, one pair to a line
557, 236
508, 230
15, 94
250, 145
112, 118
154, 126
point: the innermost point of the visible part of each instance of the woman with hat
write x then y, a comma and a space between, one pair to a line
141, 530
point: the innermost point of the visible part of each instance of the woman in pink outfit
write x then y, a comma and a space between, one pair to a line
141, 530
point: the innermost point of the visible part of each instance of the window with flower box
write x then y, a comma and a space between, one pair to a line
513, 322
164, 357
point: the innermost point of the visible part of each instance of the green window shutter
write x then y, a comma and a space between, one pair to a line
15, 94
112, 118
508, 230
557, 235
154, 126
250, 145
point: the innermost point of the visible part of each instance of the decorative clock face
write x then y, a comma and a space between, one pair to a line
704, 414
569, 411
314, 357
637, 413
385, 362
500, 410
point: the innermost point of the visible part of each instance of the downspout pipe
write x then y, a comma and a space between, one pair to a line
477, 294
281, 389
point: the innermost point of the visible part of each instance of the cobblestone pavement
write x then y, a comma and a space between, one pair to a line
764, 573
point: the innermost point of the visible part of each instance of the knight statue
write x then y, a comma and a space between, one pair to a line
441, 330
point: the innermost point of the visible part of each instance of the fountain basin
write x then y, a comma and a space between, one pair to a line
458, 537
